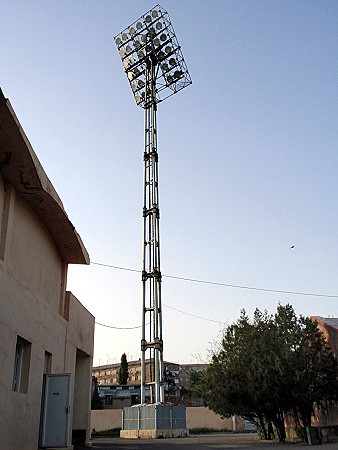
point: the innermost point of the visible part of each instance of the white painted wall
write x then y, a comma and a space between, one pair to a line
31, 293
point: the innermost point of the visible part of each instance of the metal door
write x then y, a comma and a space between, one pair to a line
55, 415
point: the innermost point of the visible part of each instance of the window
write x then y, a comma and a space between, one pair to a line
21, 365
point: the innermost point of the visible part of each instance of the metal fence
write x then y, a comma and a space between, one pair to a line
154, 417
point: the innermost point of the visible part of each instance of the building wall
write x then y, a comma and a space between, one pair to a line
79, 360
196, 418
2, 201
105, 419
329, 331
201, 417
32, 286
107, 374
31, 257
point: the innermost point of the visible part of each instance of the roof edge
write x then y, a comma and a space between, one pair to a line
21, 167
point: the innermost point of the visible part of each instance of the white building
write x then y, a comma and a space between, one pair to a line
43, 328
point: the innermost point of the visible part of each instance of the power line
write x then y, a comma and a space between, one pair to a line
170, 307
193, 315
215, 283
118, 328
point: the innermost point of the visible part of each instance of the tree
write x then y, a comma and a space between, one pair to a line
195, 380
270, 366
315, 374
122, 376
96, 400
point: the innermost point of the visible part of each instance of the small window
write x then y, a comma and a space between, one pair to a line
21, 365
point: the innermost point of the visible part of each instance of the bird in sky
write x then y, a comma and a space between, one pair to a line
292, 246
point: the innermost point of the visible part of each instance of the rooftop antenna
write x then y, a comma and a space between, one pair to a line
155, 68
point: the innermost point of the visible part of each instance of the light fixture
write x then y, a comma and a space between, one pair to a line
152, 37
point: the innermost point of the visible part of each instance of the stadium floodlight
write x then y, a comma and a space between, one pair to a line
151, 40
155, 68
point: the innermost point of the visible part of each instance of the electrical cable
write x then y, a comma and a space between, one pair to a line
237, 286
204, 282
170, 307
193, 315
118, 328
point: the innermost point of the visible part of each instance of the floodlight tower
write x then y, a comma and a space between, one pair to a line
155, 68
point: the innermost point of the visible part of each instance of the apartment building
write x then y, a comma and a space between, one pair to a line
176, 387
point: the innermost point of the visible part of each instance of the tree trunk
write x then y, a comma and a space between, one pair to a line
270, 431
262, 427
280, 426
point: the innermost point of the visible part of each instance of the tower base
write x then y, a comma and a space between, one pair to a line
153, 421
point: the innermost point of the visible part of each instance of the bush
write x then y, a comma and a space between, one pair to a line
112, 432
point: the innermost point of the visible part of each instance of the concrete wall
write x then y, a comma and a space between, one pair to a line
2, 201
32, 257
200, 417
105, 419
80, 344
197, 417
32, 296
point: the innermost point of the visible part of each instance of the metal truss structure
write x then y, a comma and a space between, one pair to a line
155, 68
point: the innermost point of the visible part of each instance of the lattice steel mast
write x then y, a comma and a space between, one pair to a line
155, 68
151, 274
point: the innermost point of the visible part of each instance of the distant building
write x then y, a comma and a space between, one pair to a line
45, 332
177, 382
328, 420
186, 371
329, 327
108, 374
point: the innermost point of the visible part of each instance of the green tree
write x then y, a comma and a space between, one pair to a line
195, 379
270, 366
122, 376
96, 400
314, 369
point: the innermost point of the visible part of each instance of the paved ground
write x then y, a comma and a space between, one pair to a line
205, 442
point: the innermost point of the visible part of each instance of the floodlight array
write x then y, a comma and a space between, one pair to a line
151, 39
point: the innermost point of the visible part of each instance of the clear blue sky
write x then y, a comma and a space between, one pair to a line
248, 157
